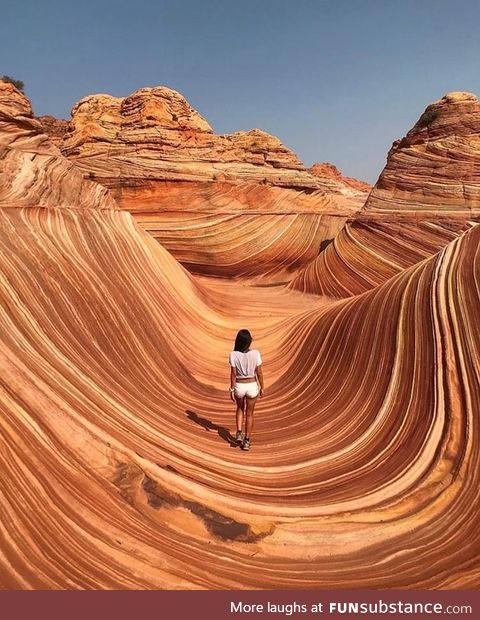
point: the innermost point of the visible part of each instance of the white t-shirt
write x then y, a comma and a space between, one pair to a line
245, 363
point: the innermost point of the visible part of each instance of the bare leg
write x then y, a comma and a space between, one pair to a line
250, 408
240, 407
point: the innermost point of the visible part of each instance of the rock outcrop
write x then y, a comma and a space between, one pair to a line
435, 167
32, 169
326, 170
241, 230
258, 212
55, 128
428, 193
118, 467
154, 134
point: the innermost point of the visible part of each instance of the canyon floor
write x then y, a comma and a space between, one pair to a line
134, 243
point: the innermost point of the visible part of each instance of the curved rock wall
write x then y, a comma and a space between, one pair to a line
117, 461
182, 182
117, 470
32, 169
428, 193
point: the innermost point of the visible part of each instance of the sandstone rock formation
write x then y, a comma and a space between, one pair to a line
364, 451
163, 163
32, 169
428, 193
117, 469
155, 134
435, 167
55, 128
329, 171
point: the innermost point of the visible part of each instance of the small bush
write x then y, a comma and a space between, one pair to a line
427, 118
19, 85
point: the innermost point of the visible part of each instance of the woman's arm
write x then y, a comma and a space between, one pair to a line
233, 378
259, 372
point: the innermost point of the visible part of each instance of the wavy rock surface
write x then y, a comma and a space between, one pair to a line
435, 167
116, 458
182, 182
428, 193
242, 230
117, 470
32, 169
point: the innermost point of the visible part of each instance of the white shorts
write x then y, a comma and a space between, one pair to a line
246, 389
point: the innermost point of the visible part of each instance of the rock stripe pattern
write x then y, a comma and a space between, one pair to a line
364, 468
428, 193
117, 461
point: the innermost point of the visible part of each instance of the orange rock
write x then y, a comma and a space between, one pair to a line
32, 169
260, 213
113, 368
435, 167
117, 469
326, 170
155, 134
427, 194
55, 128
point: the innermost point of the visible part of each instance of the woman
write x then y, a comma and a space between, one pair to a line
246, 384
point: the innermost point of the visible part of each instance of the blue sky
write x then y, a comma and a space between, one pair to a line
335, 80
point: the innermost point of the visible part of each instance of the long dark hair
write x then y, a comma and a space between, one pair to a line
243, 341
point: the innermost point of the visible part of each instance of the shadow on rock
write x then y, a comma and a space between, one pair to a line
208, 425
